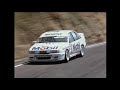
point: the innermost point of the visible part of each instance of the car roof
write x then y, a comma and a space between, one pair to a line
56, 33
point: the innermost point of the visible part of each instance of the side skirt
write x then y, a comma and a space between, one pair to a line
74, 54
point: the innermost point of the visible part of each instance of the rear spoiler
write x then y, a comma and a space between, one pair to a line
81, 34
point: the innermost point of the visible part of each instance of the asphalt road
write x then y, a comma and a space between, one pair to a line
92, 65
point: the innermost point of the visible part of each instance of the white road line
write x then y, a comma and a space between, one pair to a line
90, 46
95, 45
20, 59
18, 65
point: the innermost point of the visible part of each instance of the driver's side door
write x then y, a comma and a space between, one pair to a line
71, 43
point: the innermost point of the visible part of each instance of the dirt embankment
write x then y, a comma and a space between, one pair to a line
30, 25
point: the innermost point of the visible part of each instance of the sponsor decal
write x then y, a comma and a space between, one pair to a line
44, 48
35, 48
53, 34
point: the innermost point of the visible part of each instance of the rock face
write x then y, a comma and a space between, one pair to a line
30, 25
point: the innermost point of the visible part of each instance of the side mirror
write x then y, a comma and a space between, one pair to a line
33, 42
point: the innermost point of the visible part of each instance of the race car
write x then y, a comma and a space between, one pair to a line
57, 45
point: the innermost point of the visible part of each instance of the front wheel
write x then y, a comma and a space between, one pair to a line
67, 56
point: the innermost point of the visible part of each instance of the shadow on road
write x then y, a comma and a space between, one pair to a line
48, 63
42, 63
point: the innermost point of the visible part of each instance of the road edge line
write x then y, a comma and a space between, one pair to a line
89, 46
94, 45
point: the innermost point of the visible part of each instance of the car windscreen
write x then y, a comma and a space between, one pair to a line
52, 39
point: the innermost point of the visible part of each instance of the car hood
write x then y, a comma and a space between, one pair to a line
47, 46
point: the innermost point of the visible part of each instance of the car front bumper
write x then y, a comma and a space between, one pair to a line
46, 57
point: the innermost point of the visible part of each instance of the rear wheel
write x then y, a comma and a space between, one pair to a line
82, 51
67, 56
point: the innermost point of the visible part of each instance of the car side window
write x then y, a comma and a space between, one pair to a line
71, 39
74, 35
77, 36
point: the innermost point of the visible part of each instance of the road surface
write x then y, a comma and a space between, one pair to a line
92, 65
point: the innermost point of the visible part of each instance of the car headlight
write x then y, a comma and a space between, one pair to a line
31, 52
34, 52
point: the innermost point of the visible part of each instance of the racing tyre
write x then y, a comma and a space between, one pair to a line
67, 56
82, 51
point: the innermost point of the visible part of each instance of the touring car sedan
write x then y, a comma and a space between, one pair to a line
57, 45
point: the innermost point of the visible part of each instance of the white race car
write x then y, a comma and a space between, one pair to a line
57, 45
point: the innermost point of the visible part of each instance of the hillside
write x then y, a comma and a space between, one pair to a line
30, 25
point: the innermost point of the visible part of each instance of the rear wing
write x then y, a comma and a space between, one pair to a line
82, 36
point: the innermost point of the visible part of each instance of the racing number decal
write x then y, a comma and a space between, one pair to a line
76, 47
